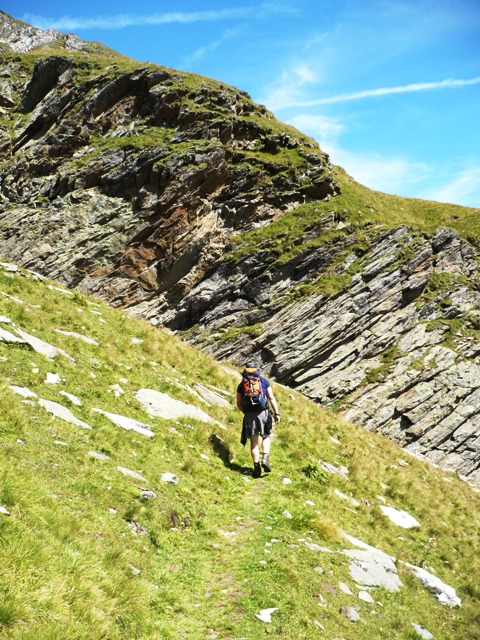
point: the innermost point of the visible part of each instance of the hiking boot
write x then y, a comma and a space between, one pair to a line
257, 471
265, 463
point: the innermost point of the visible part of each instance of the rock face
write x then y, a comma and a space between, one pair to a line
129, 182
396, 350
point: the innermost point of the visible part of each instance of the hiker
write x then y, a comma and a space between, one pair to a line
254, 394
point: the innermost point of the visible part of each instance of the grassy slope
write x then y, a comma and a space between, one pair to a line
205, 550
364, 210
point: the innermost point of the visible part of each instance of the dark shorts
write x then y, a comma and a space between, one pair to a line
257, 423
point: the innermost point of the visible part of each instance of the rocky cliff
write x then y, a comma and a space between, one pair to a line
181, 199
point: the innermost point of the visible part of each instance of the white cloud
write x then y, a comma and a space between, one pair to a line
322, 128
373, 93
463, 189
290, 86
379, 172
120, 21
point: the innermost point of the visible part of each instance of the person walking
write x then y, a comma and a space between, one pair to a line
254, 394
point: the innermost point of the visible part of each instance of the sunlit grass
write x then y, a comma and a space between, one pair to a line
83, 556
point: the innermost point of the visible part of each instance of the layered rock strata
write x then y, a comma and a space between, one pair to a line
392, 350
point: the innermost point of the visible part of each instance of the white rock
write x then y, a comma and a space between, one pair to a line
8, 337
117, 390
147, 495
59, 411
73, 399
9, 267
371, 567
343, 496
127, 423
401, 518
160, 404
423, 633
5, 320
4, 511
265, 615
98, 456
136, 340
212, 397
287, 514
309, 503
79, 336
366, 597
287, 481
53, 378
23, 391
132, 474
443, 592
42, 347
170, 478
345, 588
350, 613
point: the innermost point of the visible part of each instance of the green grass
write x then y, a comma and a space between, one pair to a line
366, 212
81, 556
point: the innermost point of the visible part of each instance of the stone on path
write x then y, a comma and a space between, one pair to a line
443, 592
401, 518
59, 411
131, 474
127, 423
265, 615
162, 405
423, 633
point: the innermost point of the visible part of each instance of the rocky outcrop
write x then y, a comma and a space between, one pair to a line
396, 350
128, 183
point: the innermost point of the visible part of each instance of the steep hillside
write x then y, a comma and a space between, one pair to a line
179, 198
118, 521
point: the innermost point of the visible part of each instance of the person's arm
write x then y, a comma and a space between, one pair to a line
273, 404
240, 402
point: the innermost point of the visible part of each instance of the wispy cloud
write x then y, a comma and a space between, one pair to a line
464, 188
373, 93
322, 128
209, 48
121, 21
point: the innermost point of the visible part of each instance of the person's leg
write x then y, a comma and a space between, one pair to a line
254, 450
265, 452
266, 444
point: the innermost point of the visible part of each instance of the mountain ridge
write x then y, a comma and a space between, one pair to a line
177, 197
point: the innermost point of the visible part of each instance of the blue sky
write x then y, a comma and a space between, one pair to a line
389, 88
